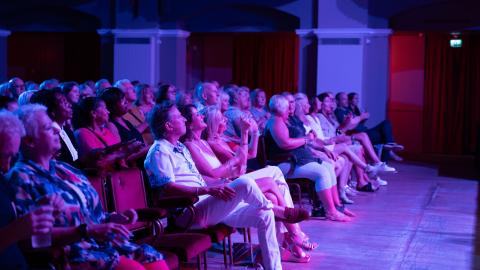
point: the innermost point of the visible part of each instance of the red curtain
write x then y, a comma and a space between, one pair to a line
38, 56
452, 95
266, 60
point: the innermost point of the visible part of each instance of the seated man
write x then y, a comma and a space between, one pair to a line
240, 203
207, 94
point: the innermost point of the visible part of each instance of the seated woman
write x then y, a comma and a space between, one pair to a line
15, 228
165, 92
98, 146
380, 134
312, 123
332, 129
91, 241
223, 101
270, 179
285, 136
137, 114
117, 105
343, 155
258, 109
71, 92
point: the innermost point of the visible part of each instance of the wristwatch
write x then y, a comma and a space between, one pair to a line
83, 230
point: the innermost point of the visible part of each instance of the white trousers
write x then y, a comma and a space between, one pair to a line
277, 175
322, 174
249, 208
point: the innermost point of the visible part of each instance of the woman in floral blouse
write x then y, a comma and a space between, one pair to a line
90, 240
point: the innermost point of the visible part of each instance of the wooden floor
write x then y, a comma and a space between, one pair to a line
418, 221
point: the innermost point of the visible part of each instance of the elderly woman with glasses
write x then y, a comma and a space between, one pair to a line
91, 240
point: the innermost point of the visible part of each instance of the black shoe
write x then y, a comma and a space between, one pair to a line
318, 212
367, 188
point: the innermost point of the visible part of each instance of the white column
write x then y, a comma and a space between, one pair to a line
307, 66
3, 54
149, 55
355, 60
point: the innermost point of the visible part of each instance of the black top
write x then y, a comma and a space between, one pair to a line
128, 134
302, 154
11, 257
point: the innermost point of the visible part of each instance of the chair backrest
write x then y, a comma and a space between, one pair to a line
128, 191
100, 185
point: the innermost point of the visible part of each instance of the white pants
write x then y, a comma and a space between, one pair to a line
249, 208
322, 174
277, 175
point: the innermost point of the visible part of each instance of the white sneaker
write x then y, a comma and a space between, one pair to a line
371, 171
350, 191
383, 167
344, 198
381, 182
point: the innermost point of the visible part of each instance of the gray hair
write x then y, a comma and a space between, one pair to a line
278, 104
28, 114
120, 83
24, 97
11, 126
300, 100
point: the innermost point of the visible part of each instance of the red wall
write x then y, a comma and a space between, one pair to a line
405, 104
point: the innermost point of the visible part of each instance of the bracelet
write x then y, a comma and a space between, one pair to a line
306, 141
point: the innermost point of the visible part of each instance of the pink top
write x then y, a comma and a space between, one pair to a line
88, 140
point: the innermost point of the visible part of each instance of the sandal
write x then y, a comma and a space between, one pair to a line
338, 216
302, 241
294, 215
367, 188
342, 209
288, 255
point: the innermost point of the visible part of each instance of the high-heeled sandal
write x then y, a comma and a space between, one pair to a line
303, 241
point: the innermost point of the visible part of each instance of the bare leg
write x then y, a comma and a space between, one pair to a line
345, 150
367, 145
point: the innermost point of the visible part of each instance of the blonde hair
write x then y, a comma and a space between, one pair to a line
212, 117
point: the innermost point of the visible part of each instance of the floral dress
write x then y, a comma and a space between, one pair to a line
31, 182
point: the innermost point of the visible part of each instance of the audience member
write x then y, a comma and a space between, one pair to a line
71, 92
258, 109
92, 242
49, 84
171, 171
166, 92
59, 109
14, 228
286, 135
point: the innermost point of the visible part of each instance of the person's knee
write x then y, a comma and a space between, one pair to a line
243, 182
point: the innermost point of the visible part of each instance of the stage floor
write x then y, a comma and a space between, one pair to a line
418, 221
